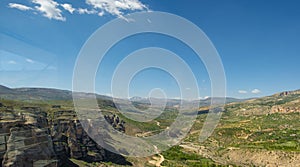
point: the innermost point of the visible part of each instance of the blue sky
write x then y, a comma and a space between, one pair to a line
258, 42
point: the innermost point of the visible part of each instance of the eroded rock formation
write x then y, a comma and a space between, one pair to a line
32, 137
284, 109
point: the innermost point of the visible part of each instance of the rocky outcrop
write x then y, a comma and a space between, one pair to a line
70, 139
116, 122
25, 138
31, 137
286, 93
245, 157
56, 106
9, 119
27, 145
284, 109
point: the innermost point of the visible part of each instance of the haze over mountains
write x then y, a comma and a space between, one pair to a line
41, 94
28, 94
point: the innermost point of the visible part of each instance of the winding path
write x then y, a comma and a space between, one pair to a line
158, 163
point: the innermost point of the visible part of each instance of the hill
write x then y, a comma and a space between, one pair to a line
257, 132
33, 94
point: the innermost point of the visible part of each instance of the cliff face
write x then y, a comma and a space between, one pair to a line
25, 138
286, 93
70, 139
31, 137
27, 145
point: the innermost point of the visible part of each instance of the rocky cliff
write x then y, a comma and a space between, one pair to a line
32, 137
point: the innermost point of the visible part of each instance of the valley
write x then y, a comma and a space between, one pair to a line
254, 132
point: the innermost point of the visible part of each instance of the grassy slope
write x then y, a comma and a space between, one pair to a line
249, 126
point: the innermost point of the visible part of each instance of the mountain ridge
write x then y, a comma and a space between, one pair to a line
32, 93
36, 93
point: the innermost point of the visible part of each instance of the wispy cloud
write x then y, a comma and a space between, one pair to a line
243, 91
86, 11
116, 7
19, 6
68, 7
54, 10
12, 62
255, 91
29, 61
203, 98
49, 9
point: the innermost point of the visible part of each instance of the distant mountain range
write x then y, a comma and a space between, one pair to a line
57, 94
172, 102
28, 94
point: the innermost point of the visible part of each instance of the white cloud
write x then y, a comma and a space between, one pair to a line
50, 9
19, 6
68, 7
54, 10
101, 13
255, 91
12, 62
242, 91
187, 88
29, 61
86, 11
116, 7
